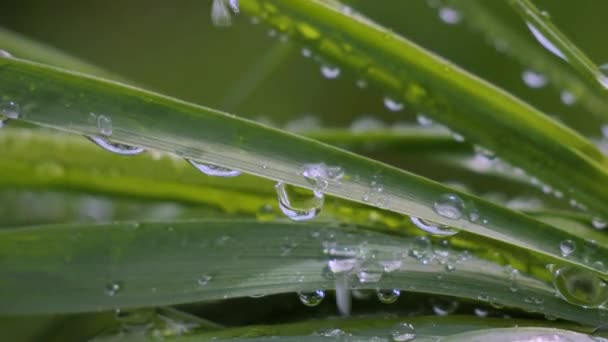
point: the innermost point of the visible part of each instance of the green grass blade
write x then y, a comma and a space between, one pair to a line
84, 268
481, 112
71, 102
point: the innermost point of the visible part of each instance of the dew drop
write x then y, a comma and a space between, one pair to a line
388, 296
312, 298
599, 223
369, 271
10, 110
393, 105
319, 175
444, 307
330, 72
450, 15
567, 247
204, 279
104, 124
113, 288
331, 333
306, 52
5, 54
479, 312
391, 265
567, 98
341, 265
449, 206
534, 79
214, 170
424, 120
298, 214
546, 43
432, 228
403, 332
122, 149
234, 5
580, 287
220, 15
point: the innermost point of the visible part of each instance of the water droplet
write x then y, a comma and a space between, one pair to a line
450, 267
513, 275
369, 271
567, 98
113, 288
458, 137
330, 72
546, 43
234, 5
424, 120
220, 15
298, 214
319, 175
5, 54
331, 333
479, 312
449, 206
214, 170
122, 149
534, 79
313, 298
391, 265
365, 124
567, 247
341, 265
599, 223
580, 287
393, 105
403, 332
104, 124
306, 52
204, 279
444, 307
450, 15
10, 110
388, 296
432, 228
361, 84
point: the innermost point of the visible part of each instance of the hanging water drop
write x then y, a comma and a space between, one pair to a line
220, 15
343, 296
546, 43
432, 228
312, 298
117, 148
567, 247
392, 105
214, 170
403, 332
330, 72
234, 6
298, 214
534, 79
450, 15
449, 206
388, 296
580, 287
113, 288
599, 223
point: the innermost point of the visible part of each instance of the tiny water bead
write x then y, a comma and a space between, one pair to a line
449, 206
298, 214
580, 287
567, 98
204, 279
312, 298
534, 79
113, 288
567, 247
599, 223
214, 170
393, 105
388, 296
330, 72
403, 332
450, 15
122, 149
432, 228
319, 175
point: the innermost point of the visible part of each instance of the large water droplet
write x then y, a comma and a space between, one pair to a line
450, 206
319, 175
403, 332
312, 298
393, 105
388, 296
546, 42
432, 228
534, 79
369, 271
330, 72
298, 214
567, 247
214, 170
117, 148
113, 288
580, 287
220, 15
450, 15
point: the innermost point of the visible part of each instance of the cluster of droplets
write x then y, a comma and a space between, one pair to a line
376, 194
423, 250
